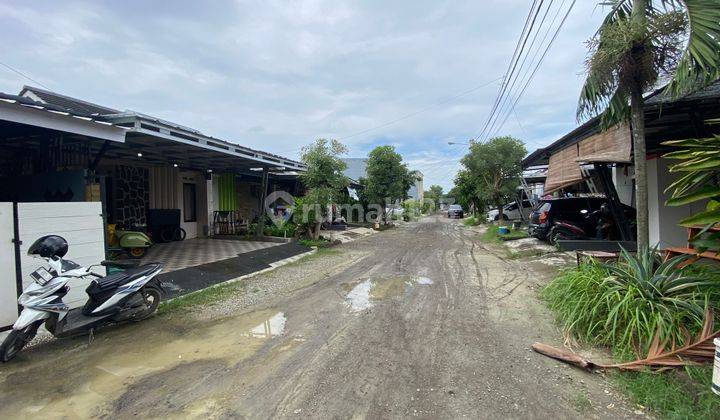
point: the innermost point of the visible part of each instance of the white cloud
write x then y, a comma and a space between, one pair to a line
276, 74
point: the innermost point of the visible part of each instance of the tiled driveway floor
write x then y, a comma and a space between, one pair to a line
192, 252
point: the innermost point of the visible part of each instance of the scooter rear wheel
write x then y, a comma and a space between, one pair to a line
16, 341
152, 297
560, 234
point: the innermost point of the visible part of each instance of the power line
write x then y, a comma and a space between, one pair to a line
542, 58
524, 36
512, 59
420, 111
502, 109
23, 75
517, 77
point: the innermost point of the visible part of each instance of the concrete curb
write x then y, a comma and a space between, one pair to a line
44, 336
273, 266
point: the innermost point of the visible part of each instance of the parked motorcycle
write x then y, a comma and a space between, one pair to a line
133, 294
603, 228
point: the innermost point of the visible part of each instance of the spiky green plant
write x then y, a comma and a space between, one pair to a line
699, 167
624, 305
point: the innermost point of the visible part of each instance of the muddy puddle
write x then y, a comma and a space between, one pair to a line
364, 294
74, 380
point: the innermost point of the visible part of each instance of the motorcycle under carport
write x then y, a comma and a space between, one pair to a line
130, 295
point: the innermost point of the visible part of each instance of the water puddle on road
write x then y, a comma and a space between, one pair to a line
271, 327
364, 294
73, 380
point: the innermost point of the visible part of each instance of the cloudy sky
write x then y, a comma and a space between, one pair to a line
275, 75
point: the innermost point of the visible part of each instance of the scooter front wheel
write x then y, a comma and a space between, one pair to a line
16, 341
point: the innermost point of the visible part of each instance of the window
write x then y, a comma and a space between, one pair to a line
189, 203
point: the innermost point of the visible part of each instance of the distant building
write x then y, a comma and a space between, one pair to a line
417, 190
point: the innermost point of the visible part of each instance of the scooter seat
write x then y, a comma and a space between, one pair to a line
102, 289
118, 279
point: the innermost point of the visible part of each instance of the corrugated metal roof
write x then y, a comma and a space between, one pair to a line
67, 102
654, 102
29, 103
110, 115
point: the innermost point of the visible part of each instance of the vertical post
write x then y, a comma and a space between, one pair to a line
614, 201
17, 242
263, 193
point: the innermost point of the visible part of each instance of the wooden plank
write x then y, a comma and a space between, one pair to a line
596, 245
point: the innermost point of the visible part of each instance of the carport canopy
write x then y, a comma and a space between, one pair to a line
129, 137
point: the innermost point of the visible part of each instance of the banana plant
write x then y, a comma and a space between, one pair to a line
699, 169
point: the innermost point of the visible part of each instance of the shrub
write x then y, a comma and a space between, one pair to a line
286, 230
412, 209
626, 304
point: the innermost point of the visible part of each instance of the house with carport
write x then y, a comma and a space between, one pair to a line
72, 167
573, 160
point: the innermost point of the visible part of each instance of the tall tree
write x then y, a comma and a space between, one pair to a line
323, 179
496, 166
435, 193
467, 191
387, 178
639, 43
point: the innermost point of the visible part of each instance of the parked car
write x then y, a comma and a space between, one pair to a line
455, 211
511, 211
576, 211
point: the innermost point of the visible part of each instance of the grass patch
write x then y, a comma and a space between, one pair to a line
623, 306
516, 255
682, 394
322, 242
202, 297
226, 290
471, 221
319, 253
492, 234
582, 402
624, 311
514, 234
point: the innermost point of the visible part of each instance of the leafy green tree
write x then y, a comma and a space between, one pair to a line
387, 178
638, 43
467, 192
495, 167
434, 194
324, 181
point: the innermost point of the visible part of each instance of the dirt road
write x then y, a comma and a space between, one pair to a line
423, 320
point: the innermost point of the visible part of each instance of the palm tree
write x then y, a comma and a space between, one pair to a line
641, 43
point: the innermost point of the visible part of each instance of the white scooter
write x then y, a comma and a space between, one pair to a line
133, 294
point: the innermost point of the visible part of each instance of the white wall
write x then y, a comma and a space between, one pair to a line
663, 220
80, 223
8, 286
166, 192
